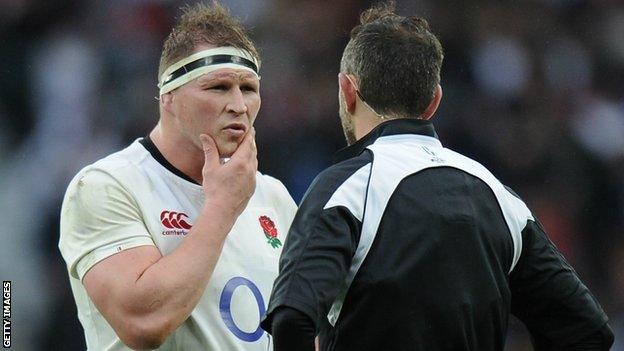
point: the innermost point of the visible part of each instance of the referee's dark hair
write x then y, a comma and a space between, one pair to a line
396, 61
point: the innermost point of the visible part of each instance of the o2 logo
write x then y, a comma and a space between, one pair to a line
226, 312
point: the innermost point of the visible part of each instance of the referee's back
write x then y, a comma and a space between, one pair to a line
407, 245
436, 275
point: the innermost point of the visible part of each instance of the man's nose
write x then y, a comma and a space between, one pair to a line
237, 102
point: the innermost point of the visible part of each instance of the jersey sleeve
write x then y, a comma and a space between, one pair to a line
548, 295
99, 218
316, 257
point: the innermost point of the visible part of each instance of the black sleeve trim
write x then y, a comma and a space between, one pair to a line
292, 330
267, 322
600, 340
548, 295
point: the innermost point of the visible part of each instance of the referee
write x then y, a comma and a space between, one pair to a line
404, 244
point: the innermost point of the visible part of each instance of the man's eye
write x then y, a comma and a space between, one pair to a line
249, 88
218, 87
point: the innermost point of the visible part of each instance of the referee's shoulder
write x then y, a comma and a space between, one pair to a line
329, 180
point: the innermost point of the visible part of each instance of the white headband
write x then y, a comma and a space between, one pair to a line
204, 62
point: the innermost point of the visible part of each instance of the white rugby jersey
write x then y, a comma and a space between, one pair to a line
133, 198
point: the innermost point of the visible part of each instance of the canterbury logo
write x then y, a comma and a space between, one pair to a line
173, 220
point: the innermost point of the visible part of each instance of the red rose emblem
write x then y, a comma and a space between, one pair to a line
270, 231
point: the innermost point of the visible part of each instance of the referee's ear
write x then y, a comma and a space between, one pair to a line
433, 105
348, 91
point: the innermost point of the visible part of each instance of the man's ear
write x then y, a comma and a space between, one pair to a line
166, 102
348, 91
433, 105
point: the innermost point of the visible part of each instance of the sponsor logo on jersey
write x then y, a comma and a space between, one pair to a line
270, 231
175, 222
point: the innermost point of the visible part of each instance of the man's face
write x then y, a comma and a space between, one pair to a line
222, 104
346, 120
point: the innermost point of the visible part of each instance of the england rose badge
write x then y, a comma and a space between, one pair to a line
270, 231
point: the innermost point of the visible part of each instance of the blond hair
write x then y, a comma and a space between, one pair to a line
204, 24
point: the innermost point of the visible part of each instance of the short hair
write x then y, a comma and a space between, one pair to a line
396, 60
204, 24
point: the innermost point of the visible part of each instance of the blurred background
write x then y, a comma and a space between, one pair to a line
533, 89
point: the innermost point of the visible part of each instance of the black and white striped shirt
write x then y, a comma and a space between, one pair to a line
407, 245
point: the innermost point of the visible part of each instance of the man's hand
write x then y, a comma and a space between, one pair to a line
229, 186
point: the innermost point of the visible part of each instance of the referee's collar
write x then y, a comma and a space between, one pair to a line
391, 127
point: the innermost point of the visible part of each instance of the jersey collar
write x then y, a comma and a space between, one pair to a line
391, 127
149, 145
